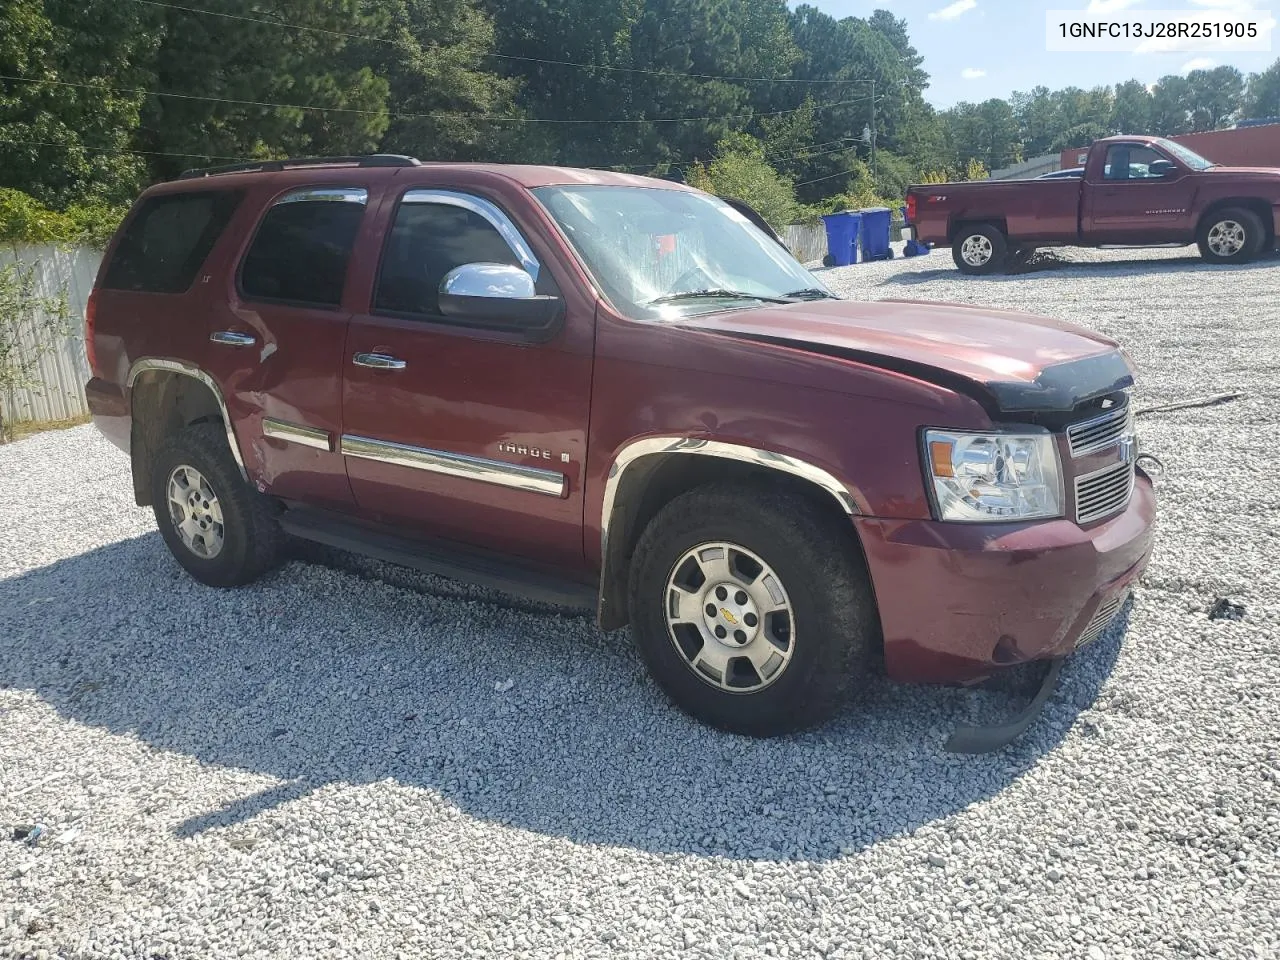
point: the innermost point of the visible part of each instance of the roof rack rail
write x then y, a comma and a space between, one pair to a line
275, 166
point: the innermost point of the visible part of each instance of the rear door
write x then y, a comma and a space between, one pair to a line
277, 338
1129, 202
463, 431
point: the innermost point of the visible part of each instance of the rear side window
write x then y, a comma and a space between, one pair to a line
302, 248
166, 243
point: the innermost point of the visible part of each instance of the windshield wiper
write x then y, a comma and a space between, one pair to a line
715, 294
813, 293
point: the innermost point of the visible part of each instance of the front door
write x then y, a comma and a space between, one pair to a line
277, 343
460, 431
1135, 203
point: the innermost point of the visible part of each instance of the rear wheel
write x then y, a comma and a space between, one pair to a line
750, 613
222, 531
1231, 235
980, 249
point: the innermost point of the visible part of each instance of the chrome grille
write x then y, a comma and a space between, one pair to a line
1101, 620
1100, 432
1103, 493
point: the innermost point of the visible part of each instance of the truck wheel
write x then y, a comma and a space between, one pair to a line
980, 249
1231, 235
222, 531
749, 611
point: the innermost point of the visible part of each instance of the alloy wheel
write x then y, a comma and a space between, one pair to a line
1227, 238
730, 618
196, 512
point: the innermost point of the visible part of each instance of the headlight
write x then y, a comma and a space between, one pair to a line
988, 477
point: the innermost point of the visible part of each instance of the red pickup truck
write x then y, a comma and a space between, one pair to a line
609, 391
1136, 191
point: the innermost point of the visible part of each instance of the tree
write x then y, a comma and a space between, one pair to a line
741, 172
1133, 108
1264, 93
437, 81
1215, 97
243, 63
1171, 106
67, 141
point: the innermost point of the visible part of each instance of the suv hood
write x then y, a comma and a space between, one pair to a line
1010, 362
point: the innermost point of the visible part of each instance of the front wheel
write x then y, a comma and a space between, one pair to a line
1231, 235
751, 614
980, 249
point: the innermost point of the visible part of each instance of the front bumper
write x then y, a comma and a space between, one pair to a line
960, 601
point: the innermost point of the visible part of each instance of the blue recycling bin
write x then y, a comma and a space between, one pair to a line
876, 224
842, 237
914, 247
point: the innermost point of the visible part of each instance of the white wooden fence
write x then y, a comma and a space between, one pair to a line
62, 371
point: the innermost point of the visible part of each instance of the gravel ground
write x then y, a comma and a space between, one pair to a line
350, 760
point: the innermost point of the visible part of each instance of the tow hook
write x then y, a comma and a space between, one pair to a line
1152, 466
967, 739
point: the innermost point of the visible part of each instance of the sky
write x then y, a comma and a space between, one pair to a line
978, 49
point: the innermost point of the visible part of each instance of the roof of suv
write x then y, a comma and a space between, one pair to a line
526, 175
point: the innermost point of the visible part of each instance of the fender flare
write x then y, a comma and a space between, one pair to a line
696, 446
150, 364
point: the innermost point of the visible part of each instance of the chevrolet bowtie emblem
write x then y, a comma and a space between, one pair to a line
729, 616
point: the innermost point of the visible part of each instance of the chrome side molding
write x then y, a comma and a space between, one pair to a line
296, 433
147, 364
531, 479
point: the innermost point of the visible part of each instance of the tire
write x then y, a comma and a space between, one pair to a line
830, 629
1231, 235
246, 541
968, 247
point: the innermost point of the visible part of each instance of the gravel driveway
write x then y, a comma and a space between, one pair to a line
348, 760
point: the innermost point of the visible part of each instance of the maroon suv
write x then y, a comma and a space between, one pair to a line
597, 388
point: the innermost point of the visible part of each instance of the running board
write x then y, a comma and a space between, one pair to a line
446, 560
1141, 246
967, 739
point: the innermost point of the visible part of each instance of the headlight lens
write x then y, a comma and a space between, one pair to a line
981, 477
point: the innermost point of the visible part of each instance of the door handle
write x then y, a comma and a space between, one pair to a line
378, 361
231, 338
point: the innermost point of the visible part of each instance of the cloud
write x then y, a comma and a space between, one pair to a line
1199, 63
1112, 6
972, 73
953, 10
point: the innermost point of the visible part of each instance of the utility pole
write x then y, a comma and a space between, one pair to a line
873, 130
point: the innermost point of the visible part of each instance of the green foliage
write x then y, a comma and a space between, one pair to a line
25, 220
976, 170
31, 326
117, 94
741, 172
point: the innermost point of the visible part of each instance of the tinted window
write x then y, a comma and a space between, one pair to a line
166, 243
1126, 162
301, 251
427, 241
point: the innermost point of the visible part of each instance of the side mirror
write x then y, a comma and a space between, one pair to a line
1162, 168
496, 293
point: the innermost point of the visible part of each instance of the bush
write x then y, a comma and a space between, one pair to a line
25, 220
740, 171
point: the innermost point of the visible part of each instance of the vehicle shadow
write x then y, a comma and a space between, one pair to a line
1053, 265
317, 676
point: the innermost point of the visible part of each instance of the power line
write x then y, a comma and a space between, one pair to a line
832, 176
119, 150
415, 116
497, 56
